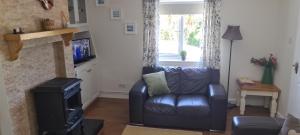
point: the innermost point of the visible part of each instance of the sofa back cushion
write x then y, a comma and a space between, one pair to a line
173, 78
151, 69
187, 80
194, 81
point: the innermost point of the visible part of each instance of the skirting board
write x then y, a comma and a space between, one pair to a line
120, 95
253, 101
279, 115
232, 100
89, 102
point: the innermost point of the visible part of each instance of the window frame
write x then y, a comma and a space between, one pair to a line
176, 56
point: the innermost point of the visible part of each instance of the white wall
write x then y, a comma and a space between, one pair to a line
120, 55
289, 10
260, 22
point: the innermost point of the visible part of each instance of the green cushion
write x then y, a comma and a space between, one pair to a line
157, 83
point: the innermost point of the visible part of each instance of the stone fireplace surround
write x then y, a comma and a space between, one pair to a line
46, 59
40, 60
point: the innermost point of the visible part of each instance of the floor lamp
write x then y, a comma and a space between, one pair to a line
232, 33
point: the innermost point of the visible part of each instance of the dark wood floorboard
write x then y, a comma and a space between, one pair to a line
115, 114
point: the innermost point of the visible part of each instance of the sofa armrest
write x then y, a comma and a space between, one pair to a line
137, 97
218, 105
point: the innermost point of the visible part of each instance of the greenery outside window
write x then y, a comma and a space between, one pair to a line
181, 32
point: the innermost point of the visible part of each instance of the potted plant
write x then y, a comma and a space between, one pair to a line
183, 55
269, 65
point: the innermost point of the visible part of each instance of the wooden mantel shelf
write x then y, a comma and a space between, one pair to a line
15, 41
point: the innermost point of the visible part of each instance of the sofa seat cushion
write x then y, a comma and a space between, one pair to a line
193, 105
163, 104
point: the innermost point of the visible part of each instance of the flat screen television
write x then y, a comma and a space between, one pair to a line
81, 50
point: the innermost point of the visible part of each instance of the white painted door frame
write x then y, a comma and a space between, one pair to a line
294, 92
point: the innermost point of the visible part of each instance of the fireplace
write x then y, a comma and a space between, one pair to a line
59, 108
58, 105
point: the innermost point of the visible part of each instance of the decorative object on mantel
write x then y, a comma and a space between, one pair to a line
18, 30
269, 65
48, 24
183, 55
15, 41
232, 33
47, 4
64, 19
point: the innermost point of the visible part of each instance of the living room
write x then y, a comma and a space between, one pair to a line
148, 67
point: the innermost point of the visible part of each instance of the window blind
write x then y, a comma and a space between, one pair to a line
181, 8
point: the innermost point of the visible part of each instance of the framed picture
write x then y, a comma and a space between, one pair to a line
115, 13
130, 28
101, 2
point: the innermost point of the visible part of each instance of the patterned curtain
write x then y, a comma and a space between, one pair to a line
151, 32
212, 34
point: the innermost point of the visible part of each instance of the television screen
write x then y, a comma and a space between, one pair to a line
81, 50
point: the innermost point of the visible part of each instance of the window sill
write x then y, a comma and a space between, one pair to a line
177, 63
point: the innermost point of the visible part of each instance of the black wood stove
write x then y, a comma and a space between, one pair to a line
59, 109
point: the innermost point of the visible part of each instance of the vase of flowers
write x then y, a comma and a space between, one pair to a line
269, 67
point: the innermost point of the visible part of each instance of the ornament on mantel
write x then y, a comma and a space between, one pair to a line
47, 4
64, 19
48, 24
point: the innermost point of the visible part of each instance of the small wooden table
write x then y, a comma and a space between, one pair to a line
257, 89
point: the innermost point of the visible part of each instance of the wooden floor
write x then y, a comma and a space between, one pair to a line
115, 114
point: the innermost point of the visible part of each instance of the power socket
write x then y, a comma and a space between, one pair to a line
123, 86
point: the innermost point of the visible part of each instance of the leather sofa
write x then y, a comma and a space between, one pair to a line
256, 125
197, 100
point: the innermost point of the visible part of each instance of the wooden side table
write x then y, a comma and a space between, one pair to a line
257, 89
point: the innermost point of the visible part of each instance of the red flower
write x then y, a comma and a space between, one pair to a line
272, 61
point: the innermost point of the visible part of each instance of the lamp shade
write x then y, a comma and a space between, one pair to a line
233, 33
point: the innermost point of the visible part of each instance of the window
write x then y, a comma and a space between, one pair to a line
181, 32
